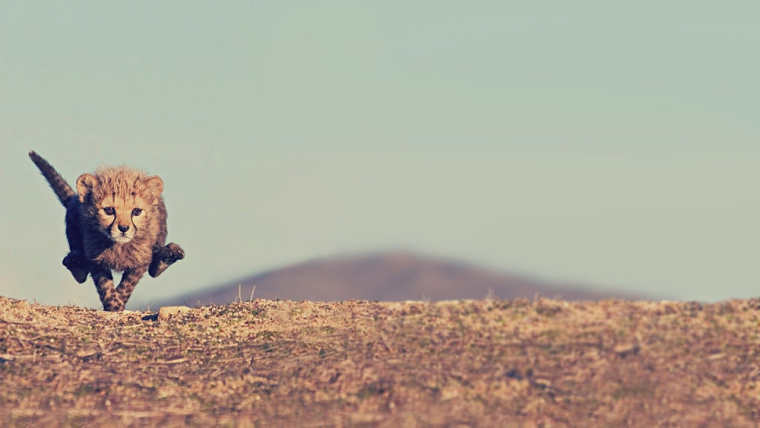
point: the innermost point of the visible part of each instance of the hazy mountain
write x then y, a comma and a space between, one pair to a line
389, 276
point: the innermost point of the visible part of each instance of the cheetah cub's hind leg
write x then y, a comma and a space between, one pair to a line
163, 257
77, 264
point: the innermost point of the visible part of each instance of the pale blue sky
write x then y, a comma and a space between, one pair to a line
589, 141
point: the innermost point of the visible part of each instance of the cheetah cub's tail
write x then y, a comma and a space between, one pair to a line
59, 185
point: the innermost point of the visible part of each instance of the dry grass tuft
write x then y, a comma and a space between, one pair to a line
489, 362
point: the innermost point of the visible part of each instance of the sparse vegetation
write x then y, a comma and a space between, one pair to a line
477, 363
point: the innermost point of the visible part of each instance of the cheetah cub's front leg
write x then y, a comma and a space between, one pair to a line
103, 280
129, 280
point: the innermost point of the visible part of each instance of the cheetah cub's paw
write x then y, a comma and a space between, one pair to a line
165, 257
77, 265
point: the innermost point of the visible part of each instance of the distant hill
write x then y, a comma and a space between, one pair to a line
389, 276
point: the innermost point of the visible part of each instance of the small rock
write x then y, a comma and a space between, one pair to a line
86, 353
449, 393
627, 349
169, 311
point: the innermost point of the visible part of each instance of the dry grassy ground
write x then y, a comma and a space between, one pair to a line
476, 363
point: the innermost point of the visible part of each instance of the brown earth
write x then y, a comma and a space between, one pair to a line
356, 363
389, 276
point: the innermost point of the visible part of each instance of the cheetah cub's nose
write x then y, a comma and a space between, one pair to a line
123, 228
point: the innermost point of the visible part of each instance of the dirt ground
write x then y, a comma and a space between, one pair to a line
356, 363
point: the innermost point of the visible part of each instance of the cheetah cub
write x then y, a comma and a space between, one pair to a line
116, 220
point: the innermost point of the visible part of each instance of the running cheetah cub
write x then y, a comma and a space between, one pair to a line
116, 220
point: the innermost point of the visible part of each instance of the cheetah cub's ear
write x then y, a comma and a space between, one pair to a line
153, 188
85, 185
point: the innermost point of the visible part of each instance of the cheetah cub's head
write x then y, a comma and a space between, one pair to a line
119, 201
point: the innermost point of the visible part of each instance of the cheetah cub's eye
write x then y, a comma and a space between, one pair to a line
109, 210
136, 212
